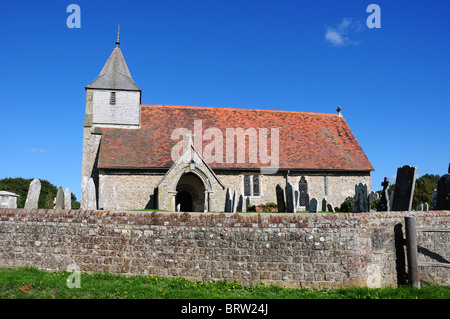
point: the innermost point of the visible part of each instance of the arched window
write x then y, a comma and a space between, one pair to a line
303, 189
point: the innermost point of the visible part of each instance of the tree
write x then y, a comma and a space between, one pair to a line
424, 186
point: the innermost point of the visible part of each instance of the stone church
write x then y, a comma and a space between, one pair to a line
161, 156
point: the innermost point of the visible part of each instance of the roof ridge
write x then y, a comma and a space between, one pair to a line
235, 108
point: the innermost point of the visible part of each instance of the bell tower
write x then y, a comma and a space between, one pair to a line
112, 101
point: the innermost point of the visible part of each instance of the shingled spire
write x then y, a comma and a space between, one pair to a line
115, 74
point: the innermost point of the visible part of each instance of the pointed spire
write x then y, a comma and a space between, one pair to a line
115, 74
118, 33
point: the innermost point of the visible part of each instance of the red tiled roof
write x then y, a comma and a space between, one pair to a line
306, 140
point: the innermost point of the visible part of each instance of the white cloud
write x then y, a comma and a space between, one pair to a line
38, 150
339, 36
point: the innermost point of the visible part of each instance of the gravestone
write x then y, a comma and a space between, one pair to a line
240, 204
280, 199
426, 207
228, 201
373, 196
8, 199
67, 199
313, 205
419, 208
384, 203
91, 195
324, 205
433, 199
404, 188
361, 200
234, 202
443, 193
59, 203
178, 208
84, 193
307, 202
290, 200
297, 199
330, 207
33, 194
391, 200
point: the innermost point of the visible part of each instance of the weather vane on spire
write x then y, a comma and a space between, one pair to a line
118, 32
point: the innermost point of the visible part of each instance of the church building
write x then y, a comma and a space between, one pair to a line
165, 156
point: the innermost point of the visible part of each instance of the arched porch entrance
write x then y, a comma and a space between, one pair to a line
190, 193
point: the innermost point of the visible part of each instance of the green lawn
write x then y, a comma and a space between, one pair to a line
22, 283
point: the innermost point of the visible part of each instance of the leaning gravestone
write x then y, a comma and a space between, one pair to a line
33, 194
361, 200
67, 199
384, 203
59, 204
330, 207
280, 199
404, 188
290, 200
313, 205
443, 193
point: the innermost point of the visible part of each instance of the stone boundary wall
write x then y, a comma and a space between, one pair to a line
292, 250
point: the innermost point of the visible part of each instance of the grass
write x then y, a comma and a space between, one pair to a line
31, 283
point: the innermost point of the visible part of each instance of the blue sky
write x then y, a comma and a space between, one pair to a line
392, 82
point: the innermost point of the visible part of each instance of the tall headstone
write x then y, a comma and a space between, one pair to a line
361, 200
84, 193
240, 206
307, 202
67, 199
234, 202
404, 188
313, 205
280, 199
391, 200
33, 194
426, 207
228, 201
384, 203
178, 208
443, 193
324, 205
91, 195
59, 204
290, 200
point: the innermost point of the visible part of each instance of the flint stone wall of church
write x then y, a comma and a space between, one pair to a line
134, 190
125, 111
293, 250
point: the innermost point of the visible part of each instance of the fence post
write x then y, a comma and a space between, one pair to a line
411, 252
